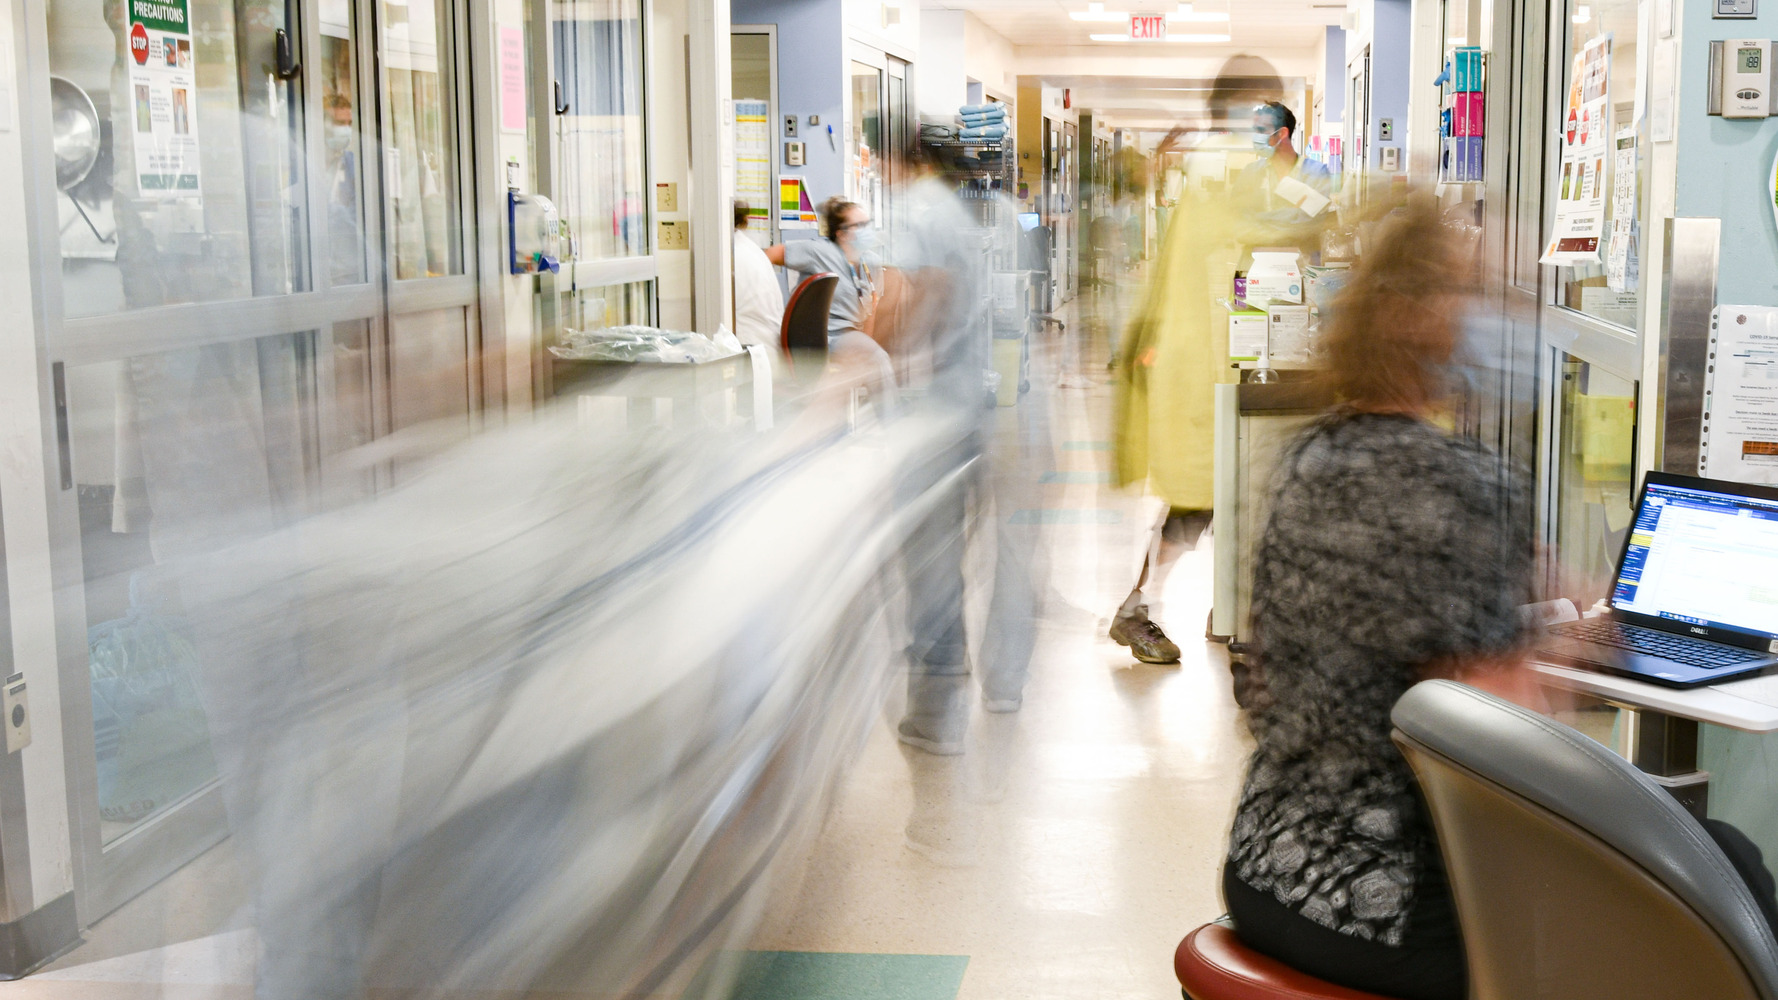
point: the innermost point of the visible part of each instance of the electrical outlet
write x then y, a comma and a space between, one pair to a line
789, 125
16, 714
666, 197
671, 235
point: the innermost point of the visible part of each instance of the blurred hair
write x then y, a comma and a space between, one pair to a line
1244, 81
741, 211
1280, 116
1392, 331
833, 215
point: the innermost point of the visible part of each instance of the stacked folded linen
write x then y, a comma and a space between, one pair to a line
978, 115
994, 131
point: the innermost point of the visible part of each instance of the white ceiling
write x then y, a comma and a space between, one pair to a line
1254, 25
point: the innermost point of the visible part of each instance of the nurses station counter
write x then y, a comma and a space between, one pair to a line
1255, 421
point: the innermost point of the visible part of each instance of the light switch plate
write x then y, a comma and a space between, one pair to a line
1736, 9
672, 235
16, 714
666, 197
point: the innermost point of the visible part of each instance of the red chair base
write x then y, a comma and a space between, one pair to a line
1213, 964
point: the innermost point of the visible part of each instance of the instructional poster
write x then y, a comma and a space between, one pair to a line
753, 167
1586, 154
1621, 265
1740, 427
164, 98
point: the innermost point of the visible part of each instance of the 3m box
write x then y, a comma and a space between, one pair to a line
1274, 277
1468, 76
1247, 334
1469, 158
1467, 116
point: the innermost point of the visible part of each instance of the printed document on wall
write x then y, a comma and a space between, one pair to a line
753, 166
163, 98
1580, 188
1740, 428
1621, 265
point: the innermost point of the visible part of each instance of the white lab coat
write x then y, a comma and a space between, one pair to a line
759, 301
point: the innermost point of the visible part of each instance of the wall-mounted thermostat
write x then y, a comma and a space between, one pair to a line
1742, 78
793, 154
1388, 158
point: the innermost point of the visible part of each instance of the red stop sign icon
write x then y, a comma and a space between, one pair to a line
139, 43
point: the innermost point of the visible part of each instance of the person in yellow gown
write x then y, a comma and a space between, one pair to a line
1176, 348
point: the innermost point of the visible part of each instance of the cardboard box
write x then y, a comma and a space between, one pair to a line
1468, 77
1247, 334
1470, 160
1274, 277
1467, 115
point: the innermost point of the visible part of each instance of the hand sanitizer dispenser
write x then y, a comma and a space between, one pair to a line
536, 233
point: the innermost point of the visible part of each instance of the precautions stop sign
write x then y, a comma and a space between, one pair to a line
139, 43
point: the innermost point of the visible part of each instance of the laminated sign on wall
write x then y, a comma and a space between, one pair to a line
1740, 429
1586, 155
163, 98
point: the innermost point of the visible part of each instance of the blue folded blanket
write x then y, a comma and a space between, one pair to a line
982, 109
973, 121
983, 132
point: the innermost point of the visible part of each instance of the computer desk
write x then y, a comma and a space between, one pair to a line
1658, 730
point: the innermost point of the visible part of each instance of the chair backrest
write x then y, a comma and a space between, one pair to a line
806, 314
1574, 875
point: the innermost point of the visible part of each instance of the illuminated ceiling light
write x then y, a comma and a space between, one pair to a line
1186, 13
1583, 14
1096, 12
1200, 39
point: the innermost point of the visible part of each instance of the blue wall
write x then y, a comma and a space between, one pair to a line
812, 79
1391, 40
1333, 76
1724, 166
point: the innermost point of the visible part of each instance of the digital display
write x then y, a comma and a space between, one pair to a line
1748, 60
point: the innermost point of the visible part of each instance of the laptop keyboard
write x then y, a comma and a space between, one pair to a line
1686, 650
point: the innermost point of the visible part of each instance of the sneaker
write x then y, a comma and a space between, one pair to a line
1146, 640
908, 733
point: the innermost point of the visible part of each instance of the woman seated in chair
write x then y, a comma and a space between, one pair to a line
1395, 551
845, 248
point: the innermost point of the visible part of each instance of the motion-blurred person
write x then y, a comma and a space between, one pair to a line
1174, 354
846, 248
1263, 189
944, 255
759, 301
1391, 555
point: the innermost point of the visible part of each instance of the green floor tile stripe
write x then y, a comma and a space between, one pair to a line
811, 975
1075, 478
1065, 515
1086, 446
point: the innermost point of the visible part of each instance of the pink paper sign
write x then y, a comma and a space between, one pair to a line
512, 80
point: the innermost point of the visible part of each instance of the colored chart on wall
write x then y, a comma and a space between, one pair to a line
796, 211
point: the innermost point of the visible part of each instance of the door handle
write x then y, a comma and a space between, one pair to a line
561, 106
59, 382
288, 67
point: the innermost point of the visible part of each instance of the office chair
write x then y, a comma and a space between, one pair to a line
804, 327
1213, 964
1574, 875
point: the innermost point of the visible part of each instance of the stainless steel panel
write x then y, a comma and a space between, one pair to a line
1688, 287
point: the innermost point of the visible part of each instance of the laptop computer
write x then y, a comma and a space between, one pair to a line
1696, 595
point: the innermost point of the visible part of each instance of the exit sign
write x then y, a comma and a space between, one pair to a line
1148, 27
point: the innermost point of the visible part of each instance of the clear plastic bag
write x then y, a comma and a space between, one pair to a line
640, 344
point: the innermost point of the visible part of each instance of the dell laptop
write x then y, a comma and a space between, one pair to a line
1696, 596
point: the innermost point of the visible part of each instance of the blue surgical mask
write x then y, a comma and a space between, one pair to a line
864, 239
1262, 141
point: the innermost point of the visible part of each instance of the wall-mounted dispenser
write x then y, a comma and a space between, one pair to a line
535, 232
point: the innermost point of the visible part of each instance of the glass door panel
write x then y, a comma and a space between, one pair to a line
864, 143
419, 140
1594, 478
601, 174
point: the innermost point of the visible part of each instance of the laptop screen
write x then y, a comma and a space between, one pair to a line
1702, 557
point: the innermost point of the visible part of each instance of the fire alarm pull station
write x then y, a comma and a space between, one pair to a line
1743, 78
